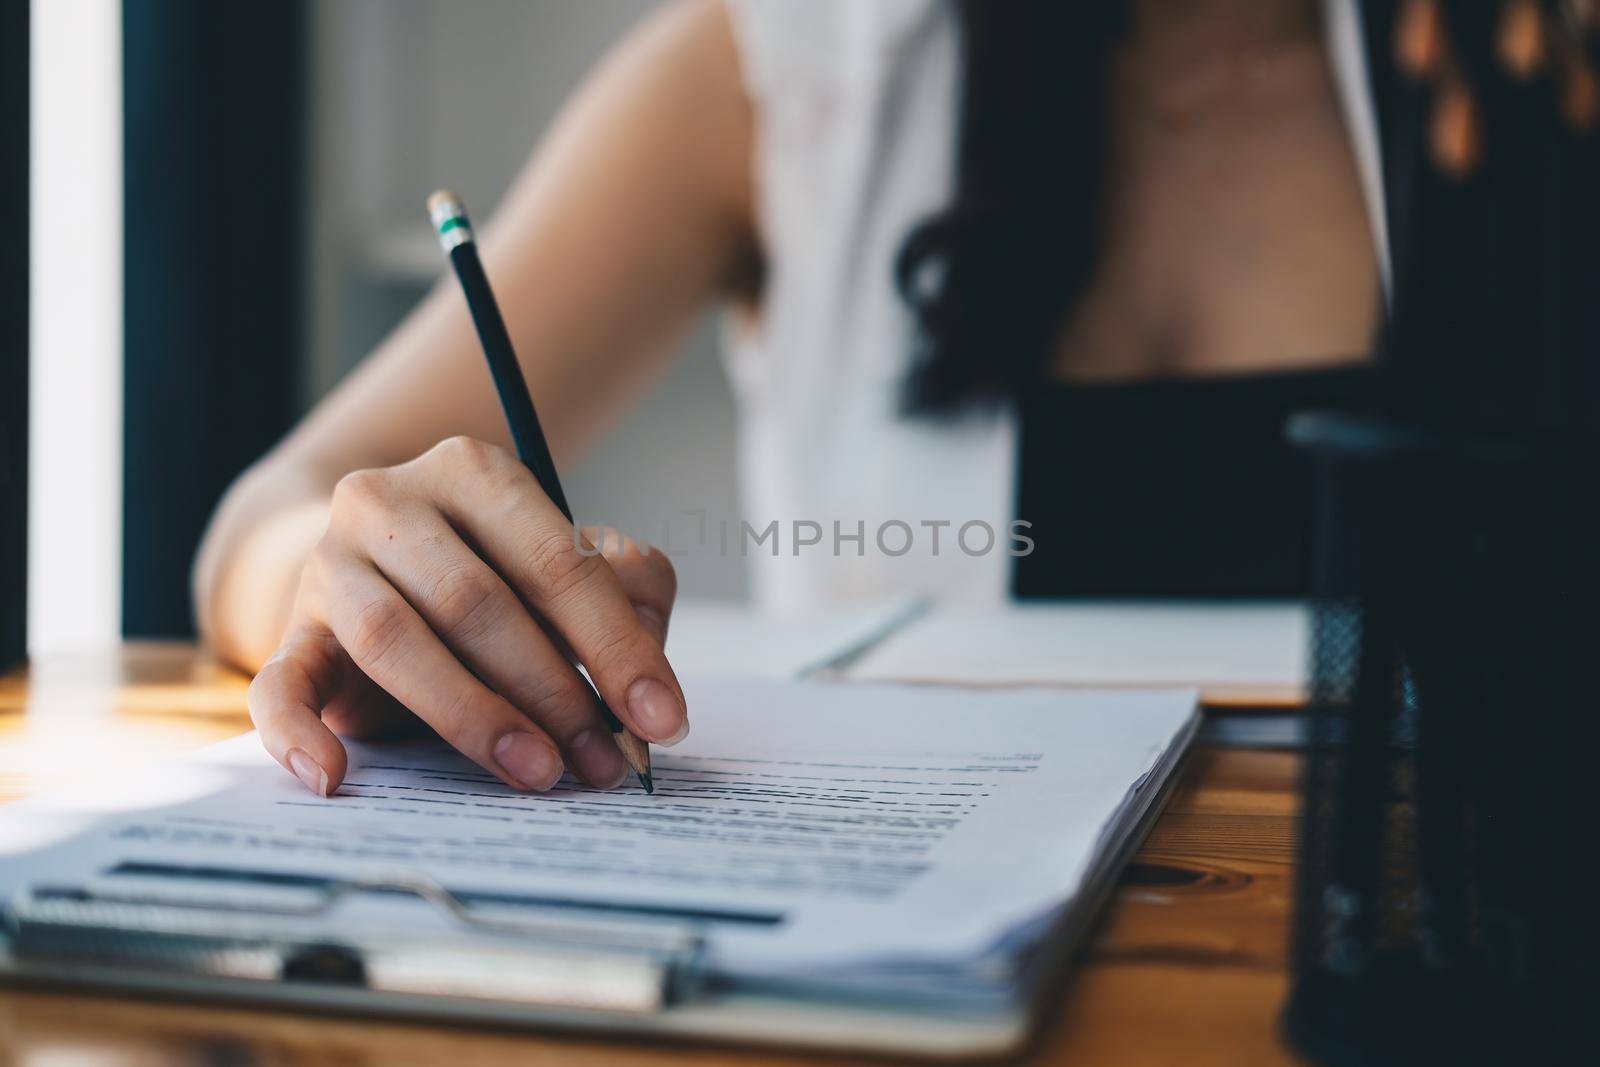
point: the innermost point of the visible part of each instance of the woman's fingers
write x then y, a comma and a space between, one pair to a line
577, 593
393, 646
645, 574
286, 701
483, 622
498, 505
453, 587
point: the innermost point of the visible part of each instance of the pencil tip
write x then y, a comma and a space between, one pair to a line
648, 781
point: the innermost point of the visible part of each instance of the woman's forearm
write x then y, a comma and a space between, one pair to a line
634, 214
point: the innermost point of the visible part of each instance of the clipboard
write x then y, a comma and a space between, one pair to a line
625, 980
420, 950
588, 978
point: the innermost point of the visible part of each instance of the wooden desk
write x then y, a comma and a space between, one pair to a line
1188, 966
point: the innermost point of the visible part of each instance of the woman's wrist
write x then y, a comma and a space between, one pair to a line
248, 568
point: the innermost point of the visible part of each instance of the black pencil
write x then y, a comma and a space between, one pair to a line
455, 235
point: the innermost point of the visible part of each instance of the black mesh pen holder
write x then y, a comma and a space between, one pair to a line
1444, 910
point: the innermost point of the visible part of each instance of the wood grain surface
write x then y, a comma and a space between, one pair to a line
1187, 967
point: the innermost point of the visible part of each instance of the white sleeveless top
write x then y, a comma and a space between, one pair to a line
856, 104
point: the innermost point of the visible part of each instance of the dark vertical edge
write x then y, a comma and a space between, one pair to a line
164, 296
14, 110
213, 149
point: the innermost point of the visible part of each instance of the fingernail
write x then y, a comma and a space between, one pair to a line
528, 760
308, 771
655, 710
596, 759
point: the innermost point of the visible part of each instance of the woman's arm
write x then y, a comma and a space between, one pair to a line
392, 558
630, 216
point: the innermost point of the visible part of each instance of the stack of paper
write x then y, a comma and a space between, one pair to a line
1233, 652
899, 839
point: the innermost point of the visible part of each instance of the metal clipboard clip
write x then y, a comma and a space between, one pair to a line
580, 965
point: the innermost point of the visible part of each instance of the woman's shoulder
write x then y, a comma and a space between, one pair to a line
825, 47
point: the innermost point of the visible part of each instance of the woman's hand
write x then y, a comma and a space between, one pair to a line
452, 589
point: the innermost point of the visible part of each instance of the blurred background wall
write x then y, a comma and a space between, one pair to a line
275, 162
213, 105
406, 96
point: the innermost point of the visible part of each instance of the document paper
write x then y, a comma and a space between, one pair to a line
1244, 652
806, 827
710, 639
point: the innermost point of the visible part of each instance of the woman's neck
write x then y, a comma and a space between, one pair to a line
1185, 32
1184, 58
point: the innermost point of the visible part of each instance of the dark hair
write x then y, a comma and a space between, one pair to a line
990, 277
